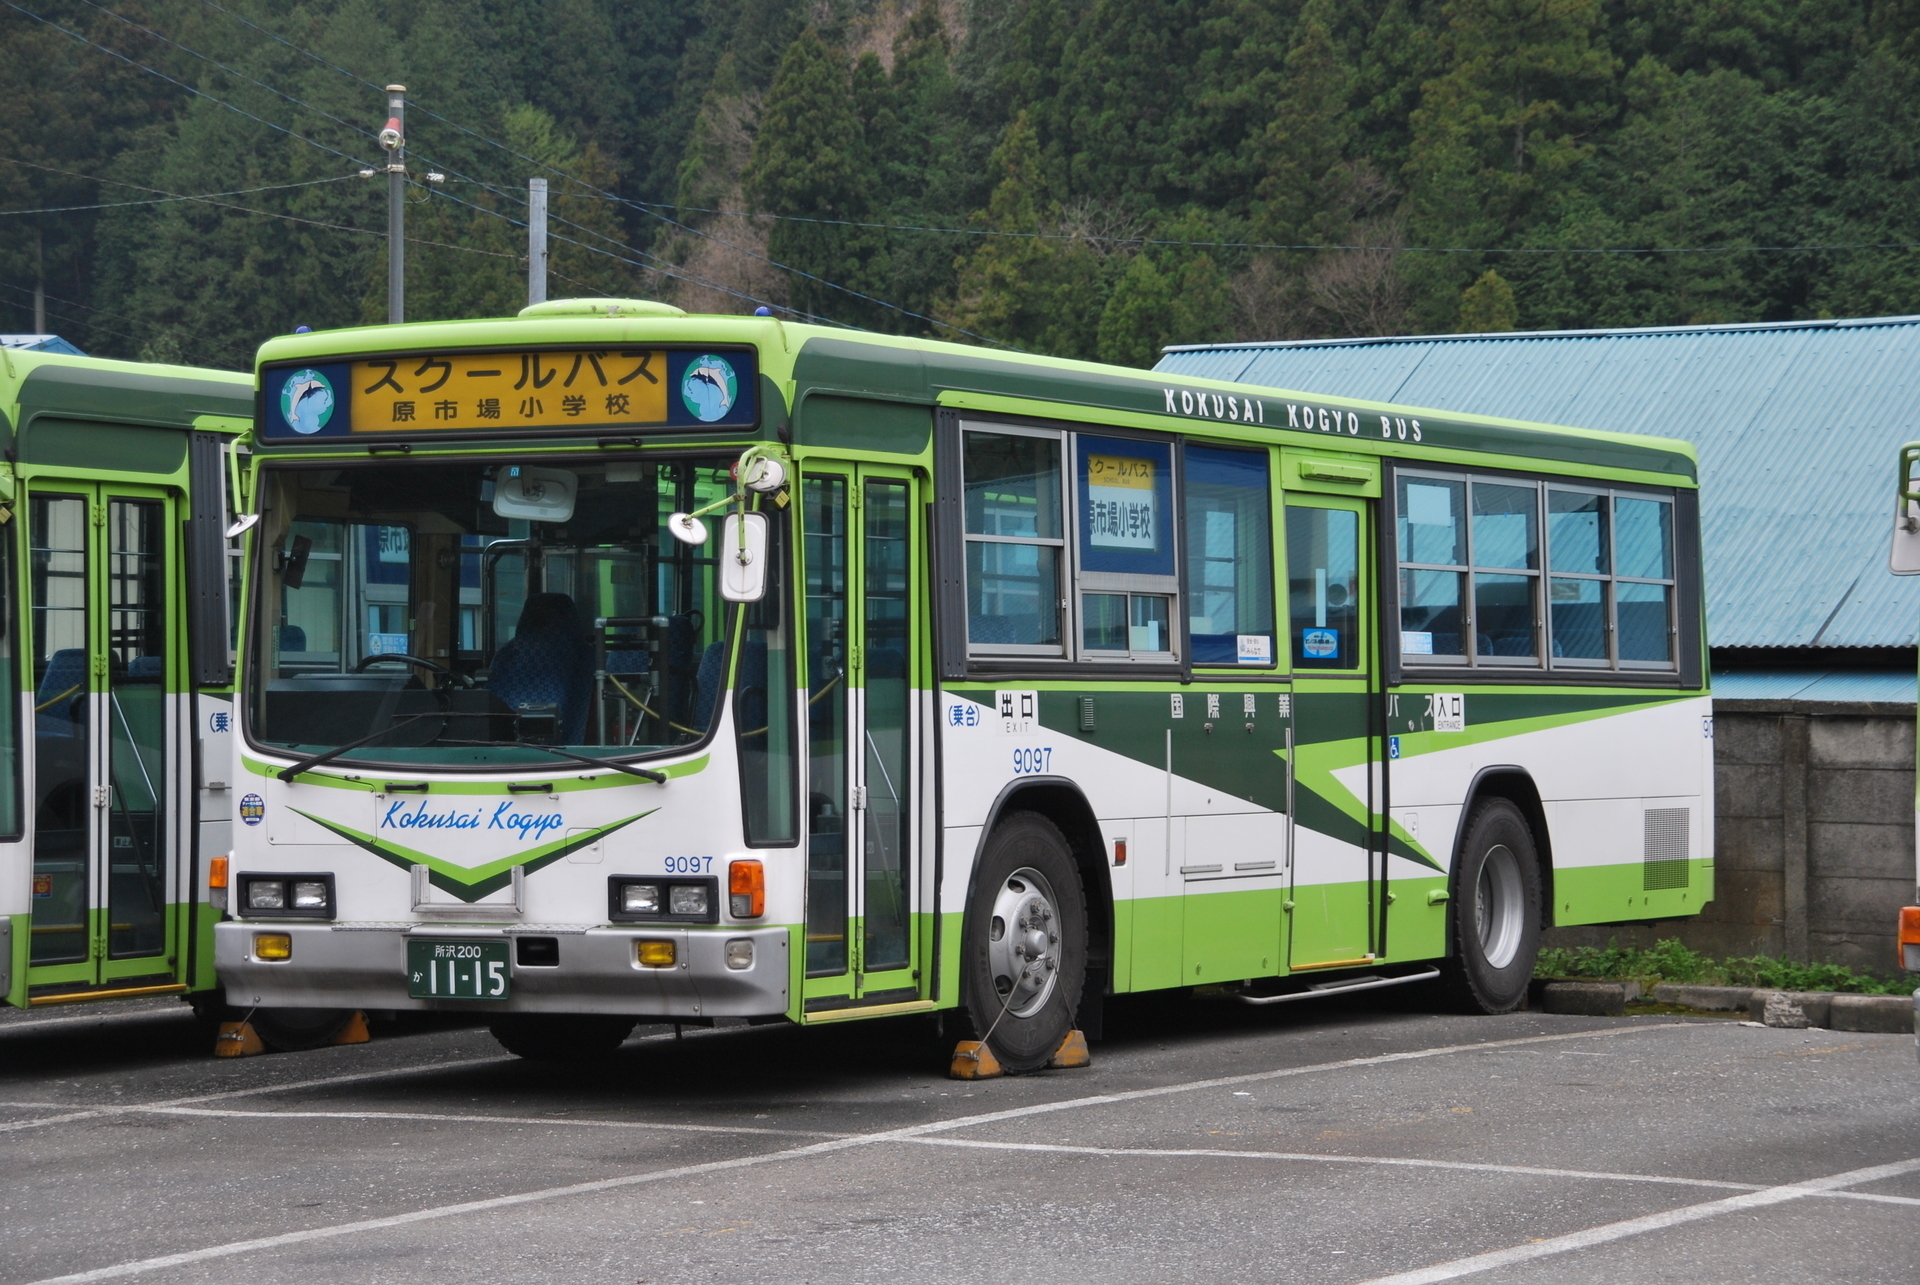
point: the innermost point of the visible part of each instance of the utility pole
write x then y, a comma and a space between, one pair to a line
536, 240
39, 283
394, 139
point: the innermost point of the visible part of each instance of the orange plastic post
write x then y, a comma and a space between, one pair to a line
1071, 1053
237, 1039
973, 1060
355, 1031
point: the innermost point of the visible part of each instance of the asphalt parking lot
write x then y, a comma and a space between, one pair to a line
1208, 1141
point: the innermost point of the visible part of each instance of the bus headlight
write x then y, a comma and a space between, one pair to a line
651, 897
295, 896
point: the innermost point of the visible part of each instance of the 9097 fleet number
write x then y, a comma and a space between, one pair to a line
1030, 760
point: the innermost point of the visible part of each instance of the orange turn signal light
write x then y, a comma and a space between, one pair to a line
1910, 925
1119, 852
746, 889
217, 873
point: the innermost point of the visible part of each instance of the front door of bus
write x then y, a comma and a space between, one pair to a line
1330, 628
862, 560
102, 798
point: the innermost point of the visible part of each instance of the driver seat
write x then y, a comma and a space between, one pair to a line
548, 661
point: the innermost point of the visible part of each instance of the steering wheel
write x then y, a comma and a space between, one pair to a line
429, 665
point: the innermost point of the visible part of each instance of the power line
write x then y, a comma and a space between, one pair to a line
651, 206
91, 325
514, 222
602, 192
158, 200
673, 271
427, 160
105, 312
93, 4
283, 129
362, 80
833, 285
182, 84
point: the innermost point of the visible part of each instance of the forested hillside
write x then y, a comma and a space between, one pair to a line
1083, 177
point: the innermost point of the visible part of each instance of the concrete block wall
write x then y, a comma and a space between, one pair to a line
1813, 836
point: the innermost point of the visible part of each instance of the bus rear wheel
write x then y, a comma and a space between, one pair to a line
1496, 911
560, 1037
1024, 956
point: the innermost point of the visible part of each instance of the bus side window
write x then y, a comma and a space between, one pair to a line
1229, 551
1016, 542
1323, 587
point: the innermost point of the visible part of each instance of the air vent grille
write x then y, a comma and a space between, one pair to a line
1664, 861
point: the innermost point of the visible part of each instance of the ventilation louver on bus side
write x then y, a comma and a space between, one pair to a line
1664, 861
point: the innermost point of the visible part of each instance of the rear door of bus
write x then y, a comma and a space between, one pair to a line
1331, 628
104, 801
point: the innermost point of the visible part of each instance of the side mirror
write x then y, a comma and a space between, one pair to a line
1904, 557
743, 557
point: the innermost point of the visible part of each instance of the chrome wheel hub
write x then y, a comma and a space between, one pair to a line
1499, 906
1023, 943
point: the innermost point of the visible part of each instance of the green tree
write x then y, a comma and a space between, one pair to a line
811, 165
1487, 306
1026, 289
1503, 130
1135, 322
1306, 139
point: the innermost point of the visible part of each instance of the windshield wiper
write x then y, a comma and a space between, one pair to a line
644, 773
327, 756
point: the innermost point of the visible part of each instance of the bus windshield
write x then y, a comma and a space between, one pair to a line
460, 613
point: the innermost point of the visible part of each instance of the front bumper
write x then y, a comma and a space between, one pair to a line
365, 966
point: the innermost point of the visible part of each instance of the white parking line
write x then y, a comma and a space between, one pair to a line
1531, 1171
462, 1118
233, 1248
1648, 1223
1228, 1153
224, 1095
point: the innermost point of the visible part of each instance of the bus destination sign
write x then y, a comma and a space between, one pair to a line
583, 390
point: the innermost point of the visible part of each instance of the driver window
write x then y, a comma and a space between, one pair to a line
345, 594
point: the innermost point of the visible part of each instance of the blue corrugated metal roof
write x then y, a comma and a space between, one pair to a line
40, 343
1898, 686
1797, 425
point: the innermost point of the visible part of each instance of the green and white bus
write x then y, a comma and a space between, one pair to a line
116, 662
999, 684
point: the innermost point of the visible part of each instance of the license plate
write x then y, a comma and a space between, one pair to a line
457, 969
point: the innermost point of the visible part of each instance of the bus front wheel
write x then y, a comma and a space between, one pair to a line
1025, 949
293, 1030
1496, 911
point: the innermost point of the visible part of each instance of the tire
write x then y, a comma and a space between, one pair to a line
291, 1030
1496, 911
1024, 947
560, 1037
